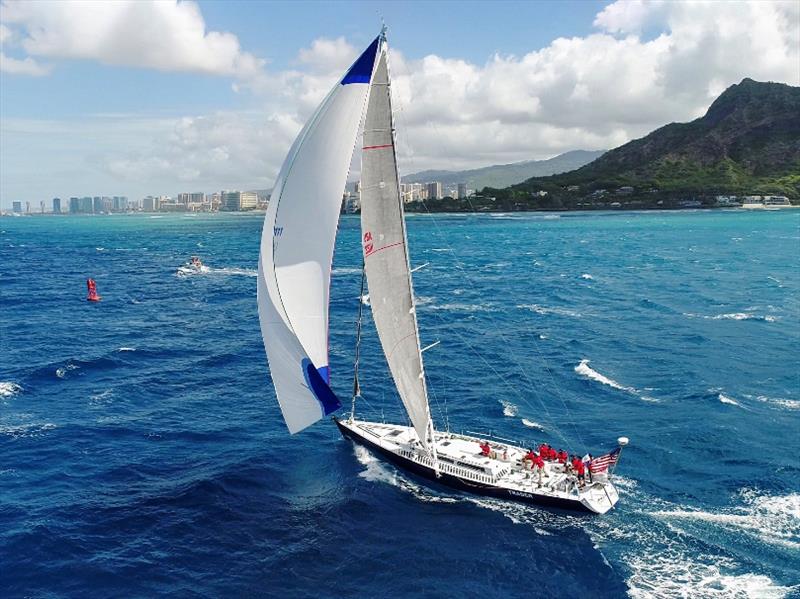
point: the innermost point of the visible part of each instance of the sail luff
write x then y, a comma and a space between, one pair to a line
386, 259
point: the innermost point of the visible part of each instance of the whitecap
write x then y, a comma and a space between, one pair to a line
7, 389
728, 400
544, 310
365, 299
26, 431
789, 404
532, 424
509, 409
346, 271
456, 307
584, 369
587, 276
100, 249
734, 316
63, 370
121, 349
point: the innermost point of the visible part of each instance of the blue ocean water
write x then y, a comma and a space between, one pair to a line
142, 450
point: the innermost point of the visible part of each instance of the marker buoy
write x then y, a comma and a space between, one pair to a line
91, 286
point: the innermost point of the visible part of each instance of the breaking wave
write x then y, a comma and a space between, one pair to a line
509, 409
62, 371
532, 424
587, 276
8, 389
728, 400
584, 369
590, 373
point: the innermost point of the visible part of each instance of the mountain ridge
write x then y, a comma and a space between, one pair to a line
747, 142
503, 175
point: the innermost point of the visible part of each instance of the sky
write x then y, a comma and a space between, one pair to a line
158, 97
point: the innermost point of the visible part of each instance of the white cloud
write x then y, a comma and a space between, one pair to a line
163, 35
647, 64
26, 66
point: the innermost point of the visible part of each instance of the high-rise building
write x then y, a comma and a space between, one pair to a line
150, 204
236, 201
86, 206
119, 203
27, 207
435, 190
462, 191
17, 207
41, 206
56, 205
74, 205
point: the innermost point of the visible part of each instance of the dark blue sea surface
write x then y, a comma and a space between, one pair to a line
142, 451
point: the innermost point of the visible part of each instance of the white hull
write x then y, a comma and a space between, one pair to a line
462, 466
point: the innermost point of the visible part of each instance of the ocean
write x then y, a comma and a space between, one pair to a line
142, 451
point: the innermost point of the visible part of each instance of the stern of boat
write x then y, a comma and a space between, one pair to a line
599, 497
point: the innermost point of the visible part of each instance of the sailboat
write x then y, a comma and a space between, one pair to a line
294, 273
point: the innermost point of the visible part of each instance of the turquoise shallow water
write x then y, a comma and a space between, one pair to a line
142, 451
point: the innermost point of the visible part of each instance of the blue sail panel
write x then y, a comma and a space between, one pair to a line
361, 71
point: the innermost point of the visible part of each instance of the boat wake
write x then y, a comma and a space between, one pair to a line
660, 550
189, 271
774, 520
376, 470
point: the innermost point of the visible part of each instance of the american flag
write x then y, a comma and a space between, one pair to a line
601, 463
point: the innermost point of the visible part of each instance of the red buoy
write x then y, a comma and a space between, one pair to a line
92, 287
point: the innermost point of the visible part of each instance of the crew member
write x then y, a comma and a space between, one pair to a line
486, 449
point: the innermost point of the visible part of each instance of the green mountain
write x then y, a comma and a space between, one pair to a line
503, 175
748, 142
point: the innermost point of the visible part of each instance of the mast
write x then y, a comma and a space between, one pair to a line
386, 258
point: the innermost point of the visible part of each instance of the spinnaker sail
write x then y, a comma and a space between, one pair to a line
294, 267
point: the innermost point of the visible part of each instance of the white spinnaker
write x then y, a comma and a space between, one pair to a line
383, 237
294, 267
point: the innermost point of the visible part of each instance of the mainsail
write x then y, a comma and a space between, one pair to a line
383, 237
294, 266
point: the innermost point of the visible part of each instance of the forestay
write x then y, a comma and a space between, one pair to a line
386, 254
297, 241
